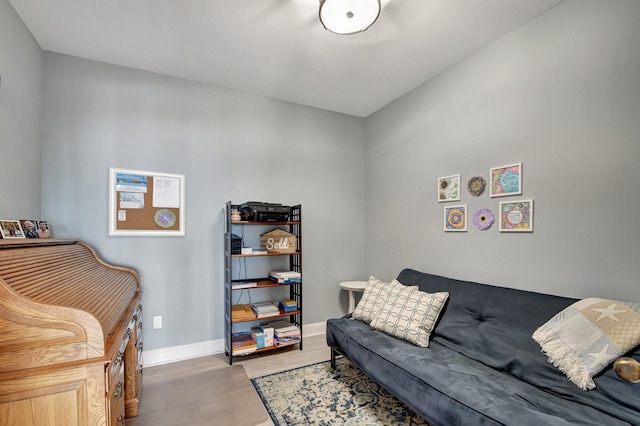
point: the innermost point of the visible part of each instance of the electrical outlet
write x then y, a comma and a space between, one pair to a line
157, 322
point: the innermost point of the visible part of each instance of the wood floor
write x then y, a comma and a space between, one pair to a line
207, 391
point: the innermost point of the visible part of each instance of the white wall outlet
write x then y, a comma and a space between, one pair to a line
157, 322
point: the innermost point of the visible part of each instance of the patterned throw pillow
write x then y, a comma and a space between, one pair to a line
587, 336
375, 295
410, 315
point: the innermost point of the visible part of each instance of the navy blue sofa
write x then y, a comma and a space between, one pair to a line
482, 366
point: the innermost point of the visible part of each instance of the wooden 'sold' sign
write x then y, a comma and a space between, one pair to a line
278, 241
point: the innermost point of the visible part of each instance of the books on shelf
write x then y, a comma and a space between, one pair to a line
285, 333
286, 341
236, 285
285, 277
288, 305
265, 309
243, 344
284, 328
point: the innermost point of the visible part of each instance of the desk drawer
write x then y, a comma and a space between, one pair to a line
115, 398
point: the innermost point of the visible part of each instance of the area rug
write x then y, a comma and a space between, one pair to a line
317, 395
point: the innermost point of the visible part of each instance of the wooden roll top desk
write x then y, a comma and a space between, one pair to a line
70, 336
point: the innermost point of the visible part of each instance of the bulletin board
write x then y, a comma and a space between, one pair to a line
146, 203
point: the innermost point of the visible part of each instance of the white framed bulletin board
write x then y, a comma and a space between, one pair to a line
143, 203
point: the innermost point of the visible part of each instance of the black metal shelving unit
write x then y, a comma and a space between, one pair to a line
294, 226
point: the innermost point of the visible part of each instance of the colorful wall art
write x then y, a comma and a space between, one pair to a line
506, 180
449, 188
455, 218
516, 216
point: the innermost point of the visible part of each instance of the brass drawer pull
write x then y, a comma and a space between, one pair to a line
118, 393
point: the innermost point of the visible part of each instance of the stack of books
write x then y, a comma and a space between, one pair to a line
265, 309
243, 344
285, 333
288, 305
285, 277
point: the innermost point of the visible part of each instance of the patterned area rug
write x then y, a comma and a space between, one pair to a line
317, 395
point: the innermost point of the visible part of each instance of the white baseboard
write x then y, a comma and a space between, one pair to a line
195, 350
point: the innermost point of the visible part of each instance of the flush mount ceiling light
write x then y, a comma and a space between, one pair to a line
348, 16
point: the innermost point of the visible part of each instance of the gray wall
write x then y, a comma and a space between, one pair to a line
230, 146
562, 95
20, 117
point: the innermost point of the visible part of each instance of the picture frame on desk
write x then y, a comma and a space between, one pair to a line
29, 228
11, 229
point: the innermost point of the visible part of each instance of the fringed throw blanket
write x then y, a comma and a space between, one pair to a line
587, 336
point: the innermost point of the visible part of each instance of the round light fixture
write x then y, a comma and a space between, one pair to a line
348, 16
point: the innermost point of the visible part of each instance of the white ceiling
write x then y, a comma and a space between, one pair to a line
278, 48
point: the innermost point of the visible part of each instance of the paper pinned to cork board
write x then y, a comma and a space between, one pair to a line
166, 192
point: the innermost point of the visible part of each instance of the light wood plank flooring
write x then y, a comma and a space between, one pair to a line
207, 391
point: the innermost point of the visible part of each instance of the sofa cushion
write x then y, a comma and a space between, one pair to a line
588, 335
409, 314
374, 296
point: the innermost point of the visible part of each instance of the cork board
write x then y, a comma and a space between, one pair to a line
146, 203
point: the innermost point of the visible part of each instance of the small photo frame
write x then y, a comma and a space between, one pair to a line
505, 180
516, 216
11, 229
29, 228
449, 188
455, 218
43, 229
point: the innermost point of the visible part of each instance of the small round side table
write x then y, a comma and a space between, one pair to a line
351, 287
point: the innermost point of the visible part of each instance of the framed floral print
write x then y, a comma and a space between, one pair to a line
506, 180
449, 188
